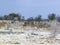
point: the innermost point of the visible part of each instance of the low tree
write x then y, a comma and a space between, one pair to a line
0, 18
5, 17
30, 19
15, 16
51, 16
38, 18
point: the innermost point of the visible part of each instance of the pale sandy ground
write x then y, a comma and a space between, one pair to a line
28, 37
18, 35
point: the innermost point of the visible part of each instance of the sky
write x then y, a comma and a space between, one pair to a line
30, 8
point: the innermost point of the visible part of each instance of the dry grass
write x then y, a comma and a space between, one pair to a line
29, 24
41, 25
2, 24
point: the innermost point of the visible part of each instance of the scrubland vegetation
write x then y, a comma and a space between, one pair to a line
18, 30
2, 24
31, 21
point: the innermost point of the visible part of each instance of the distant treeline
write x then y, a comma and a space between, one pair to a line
14, 16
